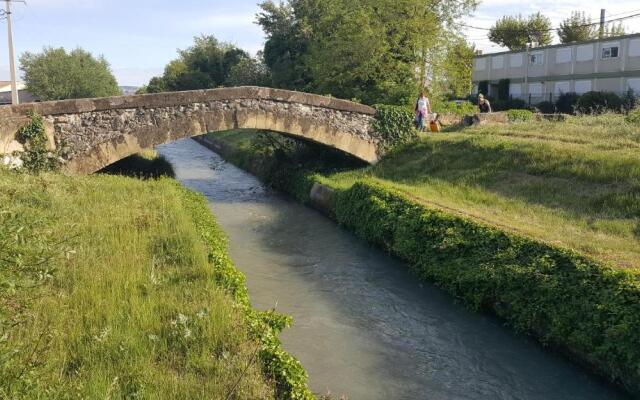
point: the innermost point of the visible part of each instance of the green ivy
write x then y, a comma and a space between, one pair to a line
395, 125
519, 115
36, 157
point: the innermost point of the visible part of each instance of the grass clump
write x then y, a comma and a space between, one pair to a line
108, 290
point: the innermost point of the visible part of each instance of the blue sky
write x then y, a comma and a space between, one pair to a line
139, 37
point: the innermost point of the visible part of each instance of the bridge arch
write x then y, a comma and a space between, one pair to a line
94, 133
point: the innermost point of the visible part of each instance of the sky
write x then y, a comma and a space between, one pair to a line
139, 37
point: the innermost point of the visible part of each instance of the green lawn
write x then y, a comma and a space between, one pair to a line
574, 183
107, 291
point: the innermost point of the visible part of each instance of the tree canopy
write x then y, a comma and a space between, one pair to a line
514, 32
55, 74
374, 51
208, 64
577, 28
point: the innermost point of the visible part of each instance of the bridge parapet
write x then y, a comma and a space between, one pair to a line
98, 132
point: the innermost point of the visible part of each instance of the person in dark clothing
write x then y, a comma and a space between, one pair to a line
483, 104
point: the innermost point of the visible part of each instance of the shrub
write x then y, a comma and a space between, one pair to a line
599, 102
453, 107
630, 100
395, 126
567, 102
519, 115
36, 157
546, 107
633, 117
511, 104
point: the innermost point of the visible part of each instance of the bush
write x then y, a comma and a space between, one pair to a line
458, 108
633, 117
394, 124
630, 100
511, 104
567, 102
599, 102
519, 115
546, 107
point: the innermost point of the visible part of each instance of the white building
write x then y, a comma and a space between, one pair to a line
543, 73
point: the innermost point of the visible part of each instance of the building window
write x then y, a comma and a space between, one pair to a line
584, 53
610, 52
497, 62
562, 87
536, 59
535, 89
481, 64
515, 61
563, 55
634, 48
515, 89
583, 87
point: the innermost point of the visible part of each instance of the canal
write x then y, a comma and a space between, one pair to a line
364, 327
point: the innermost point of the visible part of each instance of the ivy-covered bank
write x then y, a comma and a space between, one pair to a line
568, 301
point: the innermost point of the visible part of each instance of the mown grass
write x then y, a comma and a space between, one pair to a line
575, 183
107, 291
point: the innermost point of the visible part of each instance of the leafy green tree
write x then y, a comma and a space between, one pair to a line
287, 43
515, 32
458, 69
577, 28
55, 74
249, 72
376, 51
205, 65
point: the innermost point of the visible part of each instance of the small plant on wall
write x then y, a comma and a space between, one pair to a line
36, 157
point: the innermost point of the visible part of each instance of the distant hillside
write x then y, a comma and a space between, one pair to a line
129, 90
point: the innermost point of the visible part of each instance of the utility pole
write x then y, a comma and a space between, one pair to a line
12, 62
602, 19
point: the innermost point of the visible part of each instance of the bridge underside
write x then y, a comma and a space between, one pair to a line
94, 133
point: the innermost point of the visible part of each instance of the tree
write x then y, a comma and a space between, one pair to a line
286, 45
376, 51
515, 32
55, 74
459, 68
577, 28
612, 29
249, 72
205, 65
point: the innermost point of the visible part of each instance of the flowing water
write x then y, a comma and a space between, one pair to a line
365, 327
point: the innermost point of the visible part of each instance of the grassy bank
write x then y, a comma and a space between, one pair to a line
112, 287
536, 222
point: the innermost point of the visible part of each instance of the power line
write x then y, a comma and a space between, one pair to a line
551, 29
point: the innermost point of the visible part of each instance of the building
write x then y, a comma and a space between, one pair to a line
5, 93
543, 73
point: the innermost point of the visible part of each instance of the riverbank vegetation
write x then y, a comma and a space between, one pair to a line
112, 287
536, 221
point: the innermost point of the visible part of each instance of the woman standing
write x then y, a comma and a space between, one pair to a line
423, 110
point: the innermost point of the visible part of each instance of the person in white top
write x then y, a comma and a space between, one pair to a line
423, 110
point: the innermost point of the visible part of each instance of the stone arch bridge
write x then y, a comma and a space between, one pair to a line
94, 133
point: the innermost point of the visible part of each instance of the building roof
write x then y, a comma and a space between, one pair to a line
607, 39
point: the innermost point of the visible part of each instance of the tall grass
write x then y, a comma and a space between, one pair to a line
106, 291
